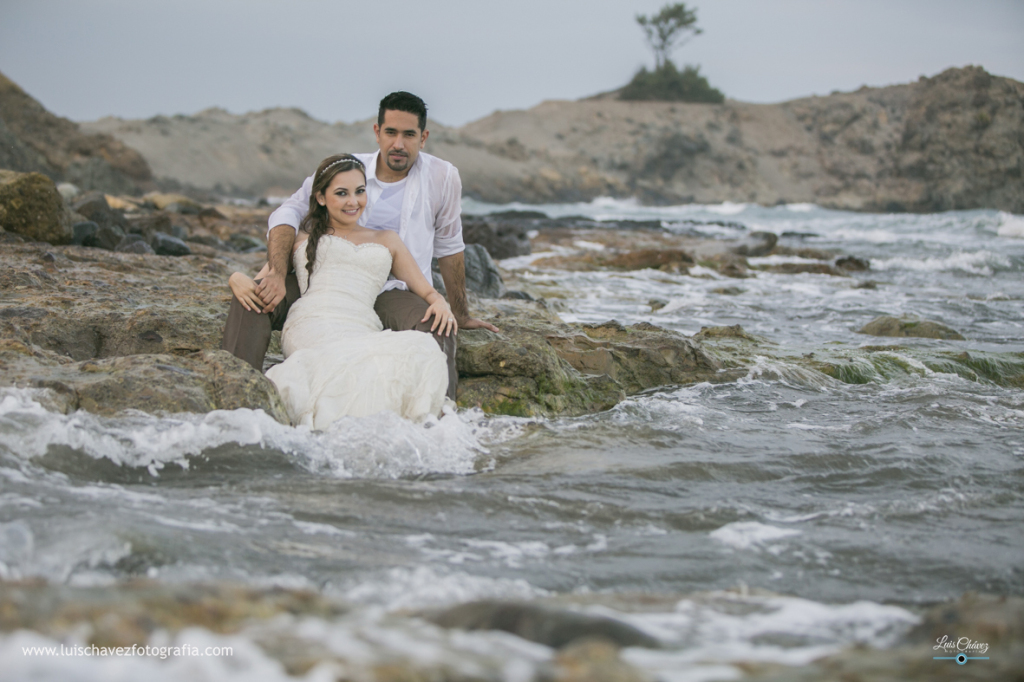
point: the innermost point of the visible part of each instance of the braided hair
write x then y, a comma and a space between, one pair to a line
317, 222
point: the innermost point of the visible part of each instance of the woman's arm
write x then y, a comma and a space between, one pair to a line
404, 267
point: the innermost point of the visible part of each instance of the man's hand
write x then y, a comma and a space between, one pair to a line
473, 323
271, 290
279, 253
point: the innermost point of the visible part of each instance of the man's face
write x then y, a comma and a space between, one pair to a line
400, 139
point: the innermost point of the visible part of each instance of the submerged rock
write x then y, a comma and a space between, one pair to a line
31, 206
555, 628
909, 326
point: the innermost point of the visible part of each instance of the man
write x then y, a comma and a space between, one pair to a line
415, 194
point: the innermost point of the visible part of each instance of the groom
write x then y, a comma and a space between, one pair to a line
414, 194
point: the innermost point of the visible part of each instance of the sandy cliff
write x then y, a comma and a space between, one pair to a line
954, 141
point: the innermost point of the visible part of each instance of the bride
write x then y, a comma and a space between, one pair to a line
339, 360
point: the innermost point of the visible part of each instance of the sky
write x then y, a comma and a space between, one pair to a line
335, 59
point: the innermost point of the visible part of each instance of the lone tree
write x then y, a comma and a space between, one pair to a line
674, 26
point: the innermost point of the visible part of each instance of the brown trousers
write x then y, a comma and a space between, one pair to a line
247, 333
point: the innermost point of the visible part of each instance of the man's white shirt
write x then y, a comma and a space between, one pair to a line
430, 218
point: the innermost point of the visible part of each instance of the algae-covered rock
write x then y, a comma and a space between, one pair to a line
31, 206
908, 326
201, 382
518, 372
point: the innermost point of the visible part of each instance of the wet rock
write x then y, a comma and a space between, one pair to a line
552, 627
31, 207
803, 268
82, 231
166, 245
502, 239
106, 237
201, 382
518, 372
671, 260
482, 276
755, 244
727, 264
909, 326
853, 264
541, 366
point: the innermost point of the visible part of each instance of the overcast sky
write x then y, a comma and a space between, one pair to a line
335, 59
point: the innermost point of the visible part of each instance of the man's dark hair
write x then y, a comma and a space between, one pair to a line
403, 101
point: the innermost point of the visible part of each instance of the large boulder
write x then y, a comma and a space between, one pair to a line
31, 206
501, 238
200, 382
538, 365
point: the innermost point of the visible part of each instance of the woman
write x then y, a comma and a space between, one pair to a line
339, 361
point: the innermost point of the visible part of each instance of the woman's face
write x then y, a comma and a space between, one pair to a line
345, 198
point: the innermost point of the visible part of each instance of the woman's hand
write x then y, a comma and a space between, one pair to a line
444, 320
244, 289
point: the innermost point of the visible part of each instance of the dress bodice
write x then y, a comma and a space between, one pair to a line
344, 268
338, 298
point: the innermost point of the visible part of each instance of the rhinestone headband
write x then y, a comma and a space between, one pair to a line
351, 159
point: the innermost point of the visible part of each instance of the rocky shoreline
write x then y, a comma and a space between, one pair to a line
117, 324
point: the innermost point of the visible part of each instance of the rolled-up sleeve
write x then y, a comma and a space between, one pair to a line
294, 208
448, 217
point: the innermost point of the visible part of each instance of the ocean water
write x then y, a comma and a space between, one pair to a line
778, 517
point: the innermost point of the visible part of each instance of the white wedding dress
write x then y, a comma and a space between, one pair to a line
339, 360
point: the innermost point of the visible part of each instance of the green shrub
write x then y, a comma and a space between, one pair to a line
667, 84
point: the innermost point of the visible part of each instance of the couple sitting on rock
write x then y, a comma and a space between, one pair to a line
352, 343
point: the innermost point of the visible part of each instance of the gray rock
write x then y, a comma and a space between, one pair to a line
134, 243
553, 627
93, 206
482, 276
502, 239
208, 240
200, 382
107, 237
149, 225
246, 243
166, 245
83, 231
68, 190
